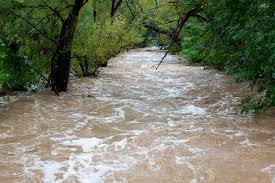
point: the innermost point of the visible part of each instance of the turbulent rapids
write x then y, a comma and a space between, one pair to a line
137, 124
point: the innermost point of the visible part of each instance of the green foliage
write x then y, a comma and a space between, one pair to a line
239, 38
102, 38
25, 29
231, 35
193, 41
34, 27
15, 73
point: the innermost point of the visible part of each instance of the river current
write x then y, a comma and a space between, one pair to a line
134, 123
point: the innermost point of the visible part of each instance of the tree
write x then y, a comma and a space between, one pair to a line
61, 60
238, 38
115, 6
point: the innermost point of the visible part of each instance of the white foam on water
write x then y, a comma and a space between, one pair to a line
91, 166
184, 161
194, 181
172, 92
194, 150
270, 170
121, 144
153, 165
5, 135
165, 79
171, 123
153, 48
118, 115
119, 112
225, 106
239, 134
137, 132
191, 109
77, 114
168, 142
78, 166
87, 144
180, 160
247, 142
49, 169
199, 129
229, 133
83, 118
236, 135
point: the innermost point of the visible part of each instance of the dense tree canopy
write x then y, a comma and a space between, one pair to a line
42, 42
237, 37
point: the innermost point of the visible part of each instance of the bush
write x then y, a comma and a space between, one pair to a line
238, 38
15, 73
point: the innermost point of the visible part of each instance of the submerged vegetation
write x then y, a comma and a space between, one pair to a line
43, 42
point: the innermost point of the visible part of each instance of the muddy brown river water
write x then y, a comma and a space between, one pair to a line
135, 124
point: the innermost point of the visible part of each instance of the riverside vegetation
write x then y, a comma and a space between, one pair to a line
44, 42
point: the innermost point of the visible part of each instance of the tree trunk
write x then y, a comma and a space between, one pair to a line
60, 63
115, 6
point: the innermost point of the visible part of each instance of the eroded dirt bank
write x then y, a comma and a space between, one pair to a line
136, 124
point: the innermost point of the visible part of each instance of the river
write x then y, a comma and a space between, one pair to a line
136, 124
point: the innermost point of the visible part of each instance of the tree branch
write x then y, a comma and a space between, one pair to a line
171, 34
115, 7
201, 17
181, 24
130, 9
55, 12
31, 24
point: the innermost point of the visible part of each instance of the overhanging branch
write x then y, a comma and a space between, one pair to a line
28, 22
55, 12
180, 26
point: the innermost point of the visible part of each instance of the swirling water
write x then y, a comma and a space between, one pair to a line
136, 124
